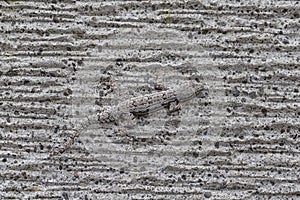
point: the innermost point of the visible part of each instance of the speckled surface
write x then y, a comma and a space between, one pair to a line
61, 61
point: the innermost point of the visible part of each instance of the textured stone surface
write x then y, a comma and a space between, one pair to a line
240, 140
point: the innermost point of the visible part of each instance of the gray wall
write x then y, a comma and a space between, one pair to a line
237, 140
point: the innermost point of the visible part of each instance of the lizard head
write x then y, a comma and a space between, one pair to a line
106, 116
188, 91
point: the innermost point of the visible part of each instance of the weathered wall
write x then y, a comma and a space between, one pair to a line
239, 140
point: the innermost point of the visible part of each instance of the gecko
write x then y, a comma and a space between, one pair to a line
124, 114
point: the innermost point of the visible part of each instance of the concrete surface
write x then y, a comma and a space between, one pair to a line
239, 140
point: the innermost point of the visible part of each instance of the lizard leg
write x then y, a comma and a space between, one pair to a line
174, 107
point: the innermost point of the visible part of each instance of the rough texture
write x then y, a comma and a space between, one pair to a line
62, 61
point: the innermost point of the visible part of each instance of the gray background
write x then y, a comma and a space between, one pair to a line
238, 140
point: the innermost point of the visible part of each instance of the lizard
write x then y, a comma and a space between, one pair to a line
125, 113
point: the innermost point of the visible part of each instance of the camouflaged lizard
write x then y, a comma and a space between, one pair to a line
124, 113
